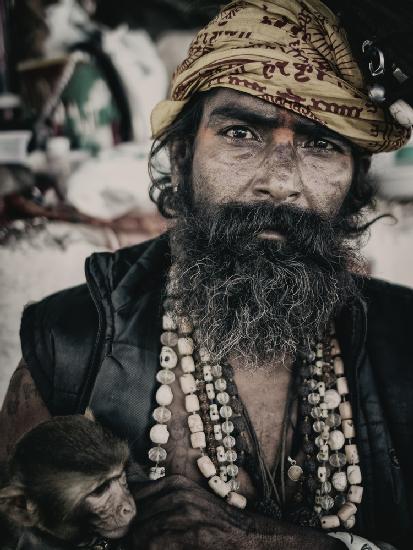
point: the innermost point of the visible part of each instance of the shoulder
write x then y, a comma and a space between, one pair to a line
114, 266
73, 311
389, 336
389, 303
59, 334
378, 289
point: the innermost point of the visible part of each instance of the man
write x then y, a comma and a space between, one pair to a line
293, 391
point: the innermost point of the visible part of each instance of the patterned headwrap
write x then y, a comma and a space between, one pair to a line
292, 53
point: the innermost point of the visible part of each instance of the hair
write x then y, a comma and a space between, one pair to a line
178, 142
55, 459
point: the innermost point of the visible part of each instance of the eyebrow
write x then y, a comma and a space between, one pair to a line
107, 481
245, 115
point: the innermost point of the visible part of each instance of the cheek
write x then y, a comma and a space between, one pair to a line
97, 505
327, 182
219, 173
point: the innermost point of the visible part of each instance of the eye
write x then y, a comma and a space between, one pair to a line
100, 489
238, 132
321, 144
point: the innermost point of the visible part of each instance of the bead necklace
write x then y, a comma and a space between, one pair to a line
324, 408
206, 403
330, 477
327, 429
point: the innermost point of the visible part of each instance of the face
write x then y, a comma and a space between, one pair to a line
261, 224
248, 150
112, 506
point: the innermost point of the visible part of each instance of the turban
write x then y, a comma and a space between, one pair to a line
291, 53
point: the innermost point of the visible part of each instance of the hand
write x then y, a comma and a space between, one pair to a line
176, 513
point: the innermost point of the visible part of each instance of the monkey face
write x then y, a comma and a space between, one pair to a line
111, 506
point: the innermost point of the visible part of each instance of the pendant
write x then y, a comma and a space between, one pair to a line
294, 472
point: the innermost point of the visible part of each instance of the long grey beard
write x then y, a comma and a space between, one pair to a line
257, 299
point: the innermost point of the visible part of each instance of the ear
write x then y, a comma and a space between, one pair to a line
179, 152
17, 506
89, 414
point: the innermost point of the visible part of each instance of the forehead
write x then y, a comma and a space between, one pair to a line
228, 103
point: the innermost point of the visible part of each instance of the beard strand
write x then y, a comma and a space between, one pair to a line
259, 299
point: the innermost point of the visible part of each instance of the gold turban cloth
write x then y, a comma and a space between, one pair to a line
292, 53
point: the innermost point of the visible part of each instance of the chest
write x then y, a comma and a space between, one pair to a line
264, 397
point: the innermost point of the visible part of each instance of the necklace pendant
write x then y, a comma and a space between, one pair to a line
294, 472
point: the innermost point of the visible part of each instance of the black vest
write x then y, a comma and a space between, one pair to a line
98, 345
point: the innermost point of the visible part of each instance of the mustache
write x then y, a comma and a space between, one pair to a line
234, 228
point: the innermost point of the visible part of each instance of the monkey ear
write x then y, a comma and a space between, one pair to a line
17, 507
89, 414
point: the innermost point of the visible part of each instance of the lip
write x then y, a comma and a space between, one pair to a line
271, 234
115, 533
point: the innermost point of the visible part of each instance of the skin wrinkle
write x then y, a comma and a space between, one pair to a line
327, 175
265, 155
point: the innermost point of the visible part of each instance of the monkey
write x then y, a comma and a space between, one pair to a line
67, 482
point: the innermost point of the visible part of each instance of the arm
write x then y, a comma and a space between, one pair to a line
22, 409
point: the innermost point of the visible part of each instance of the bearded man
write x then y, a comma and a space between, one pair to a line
279, 412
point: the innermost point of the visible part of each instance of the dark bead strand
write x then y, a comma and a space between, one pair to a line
300, 511
206, 419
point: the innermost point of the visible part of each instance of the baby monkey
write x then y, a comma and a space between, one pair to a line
68, 482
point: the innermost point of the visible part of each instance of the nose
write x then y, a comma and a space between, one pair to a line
127, 509
279, 177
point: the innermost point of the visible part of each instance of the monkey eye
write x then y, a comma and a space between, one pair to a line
100, 489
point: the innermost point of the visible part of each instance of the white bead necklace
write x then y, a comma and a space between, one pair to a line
177, 344
209, 413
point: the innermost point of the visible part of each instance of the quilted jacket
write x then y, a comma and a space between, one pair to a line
98, 344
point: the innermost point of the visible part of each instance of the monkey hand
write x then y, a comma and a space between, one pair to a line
176, 513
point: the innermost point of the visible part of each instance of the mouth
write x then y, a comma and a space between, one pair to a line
116, 533
271, 234
118, 528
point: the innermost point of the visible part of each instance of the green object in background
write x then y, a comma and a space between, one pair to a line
90, 117
404, 156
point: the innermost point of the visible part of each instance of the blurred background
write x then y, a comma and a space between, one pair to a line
78, 80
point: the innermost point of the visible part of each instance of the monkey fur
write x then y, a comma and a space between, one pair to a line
67, 481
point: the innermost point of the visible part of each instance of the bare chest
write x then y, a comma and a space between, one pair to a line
264, 399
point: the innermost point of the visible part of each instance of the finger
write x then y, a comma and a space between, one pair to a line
179, 492
187, 502
174, 495
173, 511
193, 503
170, 483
